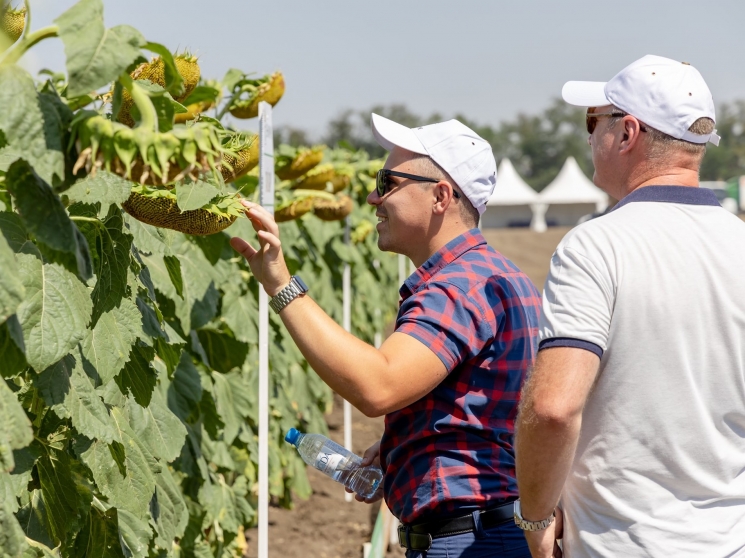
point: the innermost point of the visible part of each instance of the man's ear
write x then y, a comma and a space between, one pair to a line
631, 134
443, 197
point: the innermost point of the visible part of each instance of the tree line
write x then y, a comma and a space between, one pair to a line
537, 144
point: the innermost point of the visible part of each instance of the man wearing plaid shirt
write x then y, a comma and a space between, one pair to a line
448, 379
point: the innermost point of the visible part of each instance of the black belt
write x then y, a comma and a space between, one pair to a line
419, 536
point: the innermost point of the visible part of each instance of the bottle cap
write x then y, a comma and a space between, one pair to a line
292, 436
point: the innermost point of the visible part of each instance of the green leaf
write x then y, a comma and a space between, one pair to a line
12, 537
55, 313
31, 126
185, 391
100, 537
33, 517
168, 510
157, 427
240, 311
173, 266
16, 430
111, 261
202, 93
11, 288
132, 488
95, 55
65, 501
44, 215
194, 194
102, 190
13, 231
233, 401
149, 239
108, 345
138, 377
224, 352
135, 533
69, 392
172, 77
219, 503
12, 348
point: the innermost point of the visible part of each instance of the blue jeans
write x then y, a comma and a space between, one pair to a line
503, 541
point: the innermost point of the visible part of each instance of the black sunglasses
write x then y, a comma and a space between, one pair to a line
591, 120
382, 182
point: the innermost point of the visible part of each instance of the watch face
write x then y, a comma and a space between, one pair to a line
301, 284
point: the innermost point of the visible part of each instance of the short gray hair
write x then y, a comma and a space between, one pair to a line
663, 145
429, 168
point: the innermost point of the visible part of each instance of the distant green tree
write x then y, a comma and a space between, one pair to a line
539, 144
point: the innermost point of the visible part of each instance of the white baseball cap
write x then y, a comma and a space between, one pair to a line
460, 151
666, 94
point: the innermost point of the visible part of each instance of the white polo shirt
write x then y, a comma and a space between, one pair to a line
656, 288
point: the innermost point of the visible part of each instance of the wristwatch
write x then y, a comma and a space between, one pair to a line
294, 289
531, 525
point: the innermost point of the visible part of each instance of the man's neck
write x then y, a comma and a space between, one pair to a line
674, 176
436, 243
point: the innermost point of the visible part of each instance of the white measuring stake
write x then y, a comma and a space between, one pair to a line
347, 325
401, 269
266, 199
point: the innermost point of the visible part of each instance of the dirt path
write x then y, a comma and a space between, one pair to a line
325, 526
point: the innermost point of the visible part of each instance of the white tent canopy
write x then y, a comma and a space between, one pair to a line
569, 196
510, 203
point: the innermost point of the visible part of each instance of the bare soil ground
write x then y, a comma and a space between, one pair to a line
326, 526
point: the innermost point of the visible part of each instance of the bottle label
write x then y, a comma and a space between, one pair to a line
328, 462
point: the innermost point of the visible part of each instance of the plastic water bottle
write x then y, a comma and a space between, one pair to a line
336, 462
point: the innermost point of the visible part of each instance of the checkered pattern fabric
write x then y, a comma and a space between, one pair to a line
452, 451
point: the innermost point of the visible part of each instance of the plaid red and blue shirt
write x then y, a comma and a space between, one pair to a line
452, 451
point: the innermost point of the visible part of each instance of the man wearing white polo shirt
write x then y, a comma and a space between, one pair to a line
634, 415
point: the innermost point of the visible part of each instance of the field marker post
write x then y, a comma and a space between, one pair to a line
266, 199
347, 325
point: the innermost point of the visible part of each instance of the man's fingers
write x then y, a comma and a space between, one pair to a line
269, 239
242, 247
260, 217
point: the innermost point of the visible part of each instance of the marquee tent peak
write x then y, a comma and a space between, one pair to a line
511, 189
572, 186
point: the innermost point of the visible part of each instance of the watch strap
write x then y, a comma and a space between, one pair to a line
294, 289
526, 525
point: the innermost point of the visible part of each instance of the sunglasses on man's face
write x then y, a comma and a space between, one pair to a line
383, 183
591, 120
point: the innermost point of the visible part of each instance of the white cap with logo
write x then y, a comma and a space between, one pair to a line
666, 94
460, 151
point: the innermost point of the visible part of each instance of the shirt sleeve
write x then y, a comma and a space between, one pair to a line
577, 303
449, 323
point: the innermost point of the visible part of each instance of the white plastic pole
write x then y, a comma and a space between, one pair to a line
401, 269
266, 199
347, 325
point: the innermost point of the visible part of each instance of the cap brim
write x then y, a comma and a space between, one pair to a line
585, 93
390, 134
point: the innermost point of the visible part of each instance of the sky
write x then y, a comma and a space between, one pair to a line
486, 59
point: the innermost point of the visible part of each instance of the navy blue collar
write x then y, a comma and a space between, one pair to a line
671, 194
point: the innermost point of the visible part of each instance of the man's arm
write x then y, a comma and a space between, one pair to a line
547, 431
375, 381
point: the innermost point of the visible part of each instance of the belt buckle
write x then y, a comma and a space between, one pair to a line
404, 538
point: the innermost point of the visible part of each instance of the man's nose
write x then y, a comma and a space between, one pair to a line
373, 198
